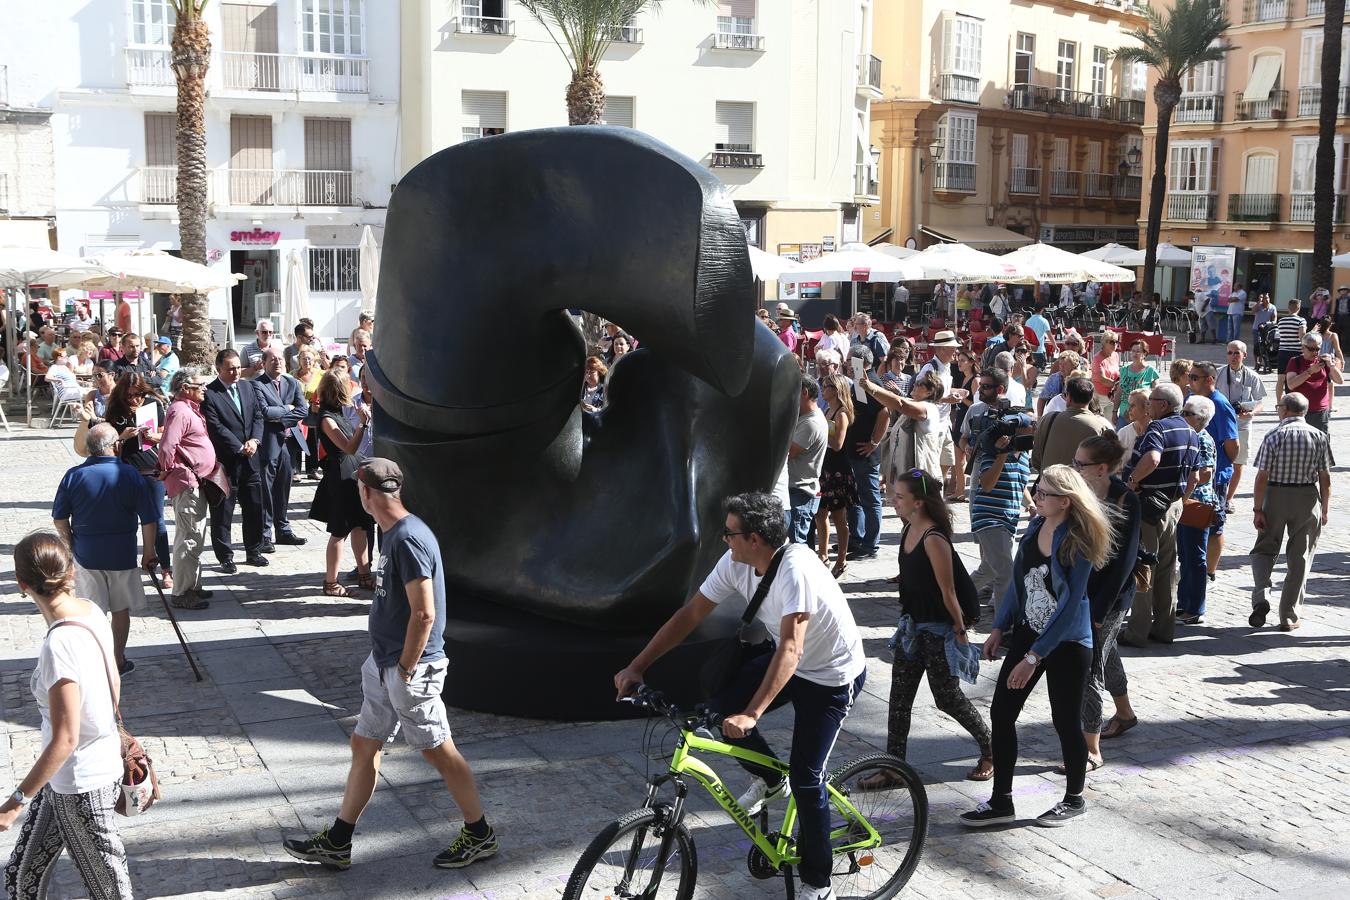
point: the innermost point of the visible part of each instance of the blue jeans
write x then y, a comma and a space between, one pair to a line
162, 551
1208, 326
820, 711
864, 519
1221, 326
804, 506
1191, 569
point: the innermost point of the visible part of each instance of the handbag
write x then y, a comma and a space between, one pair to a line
139, 788
1197, 514
727, 658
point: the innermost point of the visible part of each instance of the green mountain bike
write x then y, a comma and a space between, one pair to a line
878, 824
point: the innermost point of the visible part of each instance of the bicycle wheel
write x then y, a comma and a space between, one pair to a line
620, 861
890, 796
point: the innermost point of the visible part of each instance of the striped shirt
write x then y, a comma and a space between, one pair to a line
1180, 450
1294, 452
1289, 330
1003, 505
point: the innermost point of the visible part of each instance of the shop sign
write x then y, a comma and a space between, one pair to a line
828, 243
1288, 262
255, 238
1070, 234
803, 290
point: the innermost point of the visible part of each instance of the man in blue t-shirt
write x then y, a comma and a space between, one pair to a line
1223, 428
401, 680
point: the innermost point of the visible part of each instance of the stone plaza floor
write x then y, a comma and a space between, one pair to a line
1235, 784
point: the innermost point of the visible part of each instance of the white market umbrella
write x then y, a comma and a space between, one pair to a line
1168, 255
855, 262
895, 250
768, 267
152, 271
369, 268
958, 263
1341, 262
1115, 254
1055, 266
296, 302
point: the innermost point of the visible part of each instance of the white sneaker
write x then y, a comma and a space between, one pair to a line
806, 892
759, 793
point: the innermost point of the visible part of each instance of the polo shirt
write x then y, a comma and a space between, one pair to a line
1180, 451
1223, 427
104, 499
1317, 388
1001, 507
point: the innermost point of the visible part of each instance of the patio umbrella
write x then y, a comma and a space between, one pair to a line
961, 264
855, 262
1168, 255
768, 267
1341, 262
369, 268
151, 270
296, 301
1055, 266
1115, 254
895, 250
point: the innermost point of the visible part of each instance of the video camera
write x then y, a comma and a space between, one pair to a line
1005, 420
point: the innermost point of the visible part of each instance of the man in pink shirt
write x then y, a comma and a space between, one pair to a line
186, 457
786, 333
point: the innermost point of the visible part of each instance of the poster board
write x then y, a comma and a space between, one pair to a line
1212, 273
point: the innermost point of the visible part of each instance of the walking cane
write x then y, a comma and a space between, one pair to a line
159, 589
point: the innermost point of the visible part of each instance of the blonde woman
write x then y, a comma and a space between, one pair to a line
308, 373
1136, 419
838, 487
1179, 373
1047, 609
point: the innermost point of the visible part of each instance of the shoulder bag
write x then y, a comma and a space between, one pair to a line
1197, 514
728, 657
139, 787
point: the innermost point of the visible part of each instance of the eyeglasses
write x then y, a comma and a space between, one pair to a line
1195, 376
728, 535
1234, 352
1040, 493
1080, 465
988, 387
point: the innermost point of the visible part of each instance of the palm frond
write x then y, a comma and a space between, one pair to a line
582, 29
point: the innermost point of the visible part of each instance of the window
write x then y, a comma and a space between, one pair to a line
736, 16
955, 167
735, 129
152, 22
483, 114
1206, 78
1310, 58
1191, 168
1099, 73
1024, 60
161, 144
1132, 142
1065, 68
332, 26
1025, 179
1019, 151
618, 111
962, 37
335, 269
1094, 156
1138, 80
1302, 171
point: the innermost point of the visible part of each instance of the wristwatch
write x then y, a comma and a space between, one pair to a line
1032, 658
406, 673
19, 798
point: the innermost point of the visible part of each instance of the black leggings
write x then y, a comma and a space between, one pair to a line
1067, 668
930, 656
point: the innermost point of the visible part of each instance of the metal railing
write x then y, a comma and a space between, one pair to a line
289, 72
1264, 10
1129, 187
959, 88
1316, 8
286, 187
1303, 207
623, 34
1192, 207
949, 176
159, 185
483, 25
150, 67
1200, 108
1275, 106
1310, 100
869, 72
4, 192
732, 40
1099, 185
1254, 207
865, 181
726, 157
4, 86
1025, 180
1082, 104
1064, 183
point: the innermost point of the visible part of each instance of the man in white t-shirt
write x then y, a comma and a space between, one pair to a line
944, 346
805, 456
817, 663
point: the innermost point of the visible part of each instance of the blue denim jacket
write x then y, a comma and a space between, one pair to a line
962, 659
1072, 618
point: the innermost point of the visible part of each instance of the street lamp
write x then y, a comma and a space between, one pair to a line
1134, 155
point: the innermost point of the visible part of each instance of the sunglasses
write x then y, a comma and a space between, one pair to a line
728, 535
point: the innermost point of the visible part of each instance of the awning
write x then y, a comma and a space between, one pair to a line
1264, 75
25, 233
980, 237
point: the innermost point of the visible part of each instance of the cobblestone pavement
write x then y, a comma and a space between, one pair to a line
1235, 784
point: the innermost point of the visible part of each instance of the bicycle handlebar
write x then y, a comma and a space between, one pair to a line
688, 720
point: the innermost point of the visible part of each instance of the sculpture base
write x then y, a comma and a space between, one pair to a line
514, 664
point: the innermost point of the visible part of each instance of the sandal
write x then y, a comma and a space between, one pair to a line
983, 771
166, 582
1093, 764
334, 589
365, 580
1118, 726
840, 567
880, 781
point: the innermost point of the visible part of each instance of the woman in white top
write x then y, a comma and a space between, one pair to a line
1136, 413
834, 337
71, 789
916, 440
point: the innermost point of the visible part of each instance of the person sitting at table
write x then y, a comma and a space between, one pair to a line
84, 319
86, 352
111, 350
31, 356
65, 387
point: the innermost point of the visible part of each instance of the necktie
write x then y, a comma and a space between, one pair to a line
234, 396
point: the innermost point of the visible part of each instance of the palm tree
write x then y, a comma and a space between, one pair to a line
191, 54
1172, 43
1324, 173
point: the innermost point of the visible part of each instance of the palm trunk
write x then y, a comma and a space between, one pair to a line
191, 55
585, 98
1157, 195
1324, 174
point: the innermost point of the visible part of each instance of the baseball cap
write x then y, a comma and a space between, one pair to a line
164, 339
380, 474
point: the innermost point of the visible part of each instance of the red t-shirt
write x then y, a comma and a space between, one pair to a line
1317, 388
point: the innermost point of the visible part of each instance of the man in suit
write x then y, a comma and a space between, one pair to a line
234, 420
284, 406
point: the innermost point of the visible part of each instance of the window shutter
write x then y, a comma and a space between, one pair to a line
1301, 174
1265, 74
741, 9
618, 111
484, 109
1094, 157
161, 147
1019, 151
735, 125
1061, 160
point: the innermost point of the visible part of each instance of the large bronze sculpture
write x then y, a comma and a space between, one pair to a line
569, 537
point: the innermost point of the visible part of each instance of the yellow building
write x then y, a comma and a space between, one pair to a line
1242, 146
1005, 123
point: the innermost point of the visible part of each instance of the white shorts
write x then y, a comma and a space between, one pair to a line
113, 590
1244, 439
948, 453
388, 703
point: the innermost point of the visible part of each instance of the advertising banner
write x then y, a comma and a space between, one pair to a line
1212, 273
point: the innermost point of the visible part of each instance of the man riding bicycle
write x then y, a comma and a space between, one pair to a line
816, 662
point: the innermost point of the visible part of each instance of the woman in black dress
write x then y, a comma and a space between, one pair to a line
131, 392
838, 488
966, 377
337, 500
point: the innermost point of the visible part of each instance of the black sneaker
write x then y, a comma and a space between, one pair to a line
321, 850
1060, 814
985, 815
467, 848
860, 554
1258, 617
126, 668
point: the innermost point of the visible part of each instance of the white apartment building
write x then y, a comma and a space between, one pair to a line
772, 95
301, 122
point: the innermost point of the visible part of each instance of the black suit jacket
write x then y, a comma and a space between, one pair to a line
284, 407
228, 429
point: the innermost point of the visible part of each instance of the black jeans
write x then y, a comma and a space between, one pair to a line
1066, 671
820, 712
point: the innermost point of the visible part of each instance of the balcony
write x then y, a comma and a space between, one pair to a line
149, 67
1129, 187
483, 25
1131, 111
950, 176
736, 156
869, 74
1192, 207
1254, 11
732, 40
1253, 207
1276, 106
623, 34
284, 72
1081, 104
159, 185
1199, 108
1098, 185
1316, 8
1064, 183
959, 88
1303, 205
865, 182
287, 187
1310, 100
1025, 180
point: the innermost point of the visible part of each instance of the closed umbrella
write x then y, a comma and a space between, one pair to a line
768, 267
855, 262
1052, 265
370, 268
296, 305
